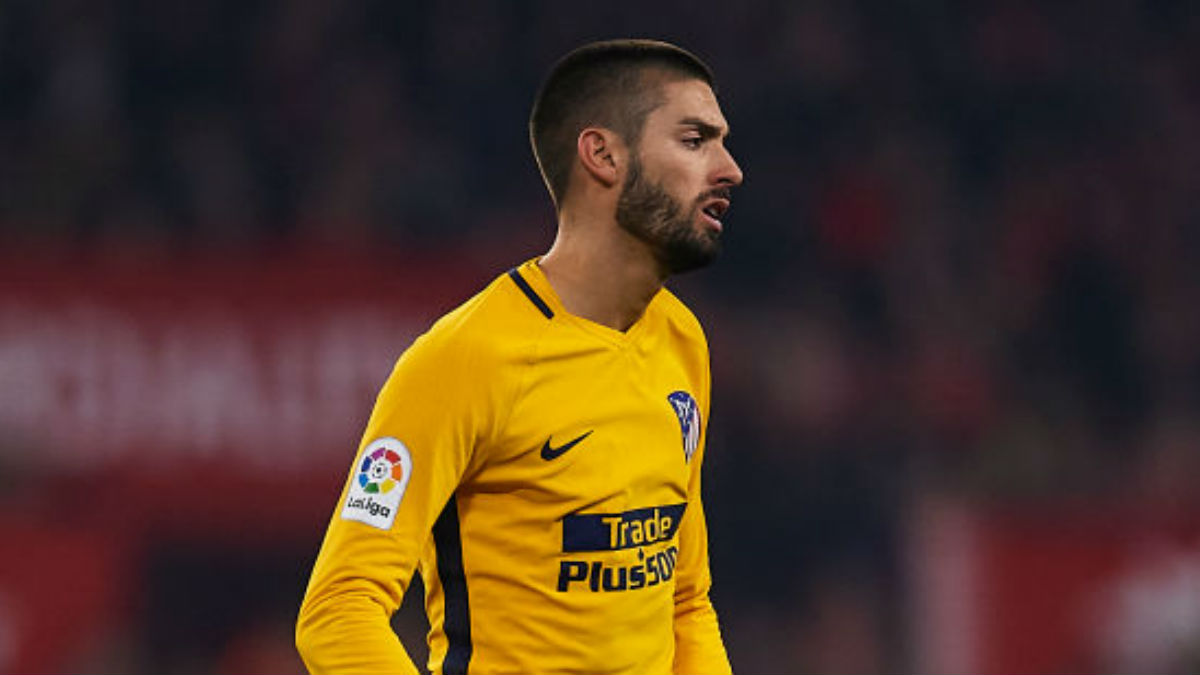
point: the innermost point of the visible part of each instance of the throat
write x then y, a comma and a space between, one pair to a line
610, 297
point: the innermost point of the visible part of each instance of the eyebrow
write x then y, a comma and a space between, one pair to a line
706, 130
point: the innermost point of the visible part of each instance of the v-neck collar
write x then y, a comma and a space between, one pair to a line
536, 278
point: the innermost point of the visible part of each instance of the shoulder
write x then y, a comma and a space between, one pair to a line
493, 327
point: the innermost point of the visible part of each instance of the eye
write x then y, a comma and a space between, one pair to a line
693, 142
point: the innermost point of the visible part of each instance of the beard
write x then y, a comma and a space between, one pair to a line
647, 211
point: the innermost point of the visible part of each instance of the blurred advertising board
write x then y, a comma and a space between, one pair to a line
183, 380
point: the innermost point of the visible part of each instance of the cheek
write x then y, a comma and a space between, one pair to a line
682, 179
678, 170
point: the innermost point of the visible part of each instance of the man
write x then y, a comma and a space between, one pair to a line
536, 455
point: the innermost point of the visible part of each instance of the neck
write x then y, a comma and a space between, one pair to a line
601, 273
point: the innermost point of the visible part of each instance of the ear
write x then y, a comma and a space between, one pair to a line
599, 152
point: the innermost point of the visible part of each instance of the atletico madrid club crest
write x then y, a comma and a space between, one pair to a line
689, 420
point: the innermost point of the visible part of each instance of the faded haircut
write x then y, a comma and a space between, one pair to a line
614, 84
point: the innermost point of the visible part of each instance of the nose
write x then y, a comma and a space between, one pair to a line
728, 172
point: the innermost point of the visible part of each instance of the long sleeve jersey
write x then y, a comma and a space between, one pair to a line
542, 473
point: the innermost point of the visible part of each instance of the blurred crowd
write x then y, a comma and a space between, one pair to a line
963, 261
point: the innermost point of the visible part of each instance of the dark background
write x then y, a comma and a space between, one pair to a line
956, 345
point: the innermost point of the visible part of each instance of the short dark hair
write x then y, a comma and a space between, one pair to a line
612, 84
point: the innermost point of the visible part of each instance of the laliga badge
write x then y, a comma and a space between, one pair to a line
378, 486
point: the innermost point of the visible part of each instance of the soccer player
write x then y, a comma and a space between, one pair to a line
536, 454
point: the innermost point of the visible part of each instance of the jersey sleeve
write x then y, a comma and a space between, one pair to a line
699, 649
418, 443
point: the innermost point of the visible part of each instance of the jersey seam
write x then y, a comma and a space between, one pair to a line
523, 386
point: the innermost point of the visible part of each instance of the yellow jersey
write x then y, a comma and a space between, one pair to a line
542, 473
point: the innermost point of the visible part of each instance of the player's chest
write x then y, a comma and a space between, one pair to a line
609, 432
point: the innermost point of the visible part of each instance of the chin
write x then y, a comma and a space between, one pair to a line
691, 254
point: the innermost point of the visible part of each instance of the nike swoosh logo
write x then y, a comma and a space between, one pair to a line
550, 452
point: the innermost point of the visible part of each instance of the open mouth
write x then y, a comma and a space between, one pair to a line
714, 209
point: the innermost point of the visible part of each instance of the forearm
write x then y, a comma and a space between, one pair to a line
349, 633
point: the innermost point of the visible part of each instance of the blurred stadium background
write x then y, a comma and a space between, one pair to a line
956, 334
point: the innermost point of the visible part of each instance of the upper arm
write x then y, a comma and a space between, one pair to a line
425, 427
